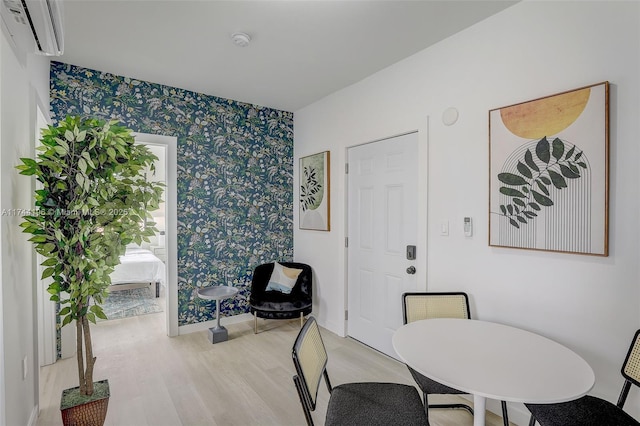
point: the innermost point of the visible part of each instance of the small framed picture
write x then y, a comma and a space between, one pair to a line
314, 192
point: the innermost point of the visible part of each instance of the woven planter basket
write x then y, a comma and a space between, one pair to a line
92, 413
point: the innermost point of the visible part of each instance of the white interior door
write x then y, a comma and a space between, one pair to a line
382, 223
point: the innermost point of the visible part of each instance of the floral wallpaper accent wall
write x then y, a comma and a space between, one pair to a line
235, 175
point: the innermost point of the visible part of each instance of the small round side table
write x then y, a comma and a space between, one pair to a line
218, 333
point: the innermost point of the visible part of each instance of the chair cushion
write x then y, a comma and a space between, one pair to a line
282, 279
430, 386
586, 411
281, 310
375, 404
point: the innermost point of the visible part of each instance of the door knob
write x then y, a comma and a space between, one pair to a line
411, 270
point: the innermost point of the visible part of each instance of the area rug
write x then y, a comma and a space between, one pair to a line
130, 303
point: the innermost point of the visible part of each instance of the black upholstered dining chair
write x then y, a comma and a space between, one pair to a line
271, 301
365, 403
425, 305
590, 410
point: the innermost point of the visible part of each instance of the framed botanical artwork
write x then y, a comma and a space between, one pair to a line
549, 173
314, 192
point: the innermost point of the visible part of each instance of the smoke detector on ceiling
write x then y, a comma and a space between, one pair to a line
241, 39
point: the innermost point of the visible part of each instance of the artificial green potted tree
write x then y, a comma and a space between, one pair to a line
93, 200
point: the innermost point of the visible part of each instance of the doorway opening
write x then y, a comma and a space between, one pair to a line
139, 282
54, 345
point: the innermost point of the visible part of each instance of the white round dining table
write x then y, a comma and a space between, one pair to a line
491, 360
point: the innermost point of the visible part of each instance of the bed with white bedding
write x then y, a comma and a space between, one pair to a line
138, 267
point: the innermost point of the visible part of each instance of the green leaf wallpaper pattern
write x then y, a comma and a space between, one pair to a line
235, 175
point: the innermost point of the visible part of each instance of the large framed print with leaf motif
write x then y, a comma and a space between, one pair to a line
314, 192
549, 173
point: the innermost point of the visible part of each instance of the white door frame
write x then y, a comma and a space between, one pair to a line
171, 224
47, 353
2, 397
47, 348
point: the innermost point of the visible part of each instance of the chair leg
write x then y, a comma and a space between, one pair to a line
463, 406
623, 394
255, 322
425, 400
305, 407
301, 319
532, 421
505, 414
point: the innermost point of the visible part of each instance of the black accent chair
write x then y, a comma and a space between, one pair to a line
365, 403
590, 410
420, 305
277, 305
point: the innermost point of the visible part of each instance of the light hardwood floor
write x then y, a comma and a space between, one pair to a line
156, 380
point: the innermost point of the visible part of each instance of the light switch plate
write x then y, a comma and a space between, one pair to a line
444, 228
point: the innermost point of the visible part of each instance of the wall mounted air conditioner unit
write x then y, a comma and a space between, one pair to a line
43, 18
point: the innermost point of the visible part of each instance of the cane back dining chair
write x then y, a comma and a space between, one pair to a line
420, 305
368, 403
590, 410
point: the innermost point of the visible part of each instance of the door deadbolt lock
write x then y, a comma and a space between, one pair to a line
411, 270
411, 252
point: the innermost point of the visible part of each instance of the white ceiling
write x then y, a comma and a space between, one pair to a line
301, 51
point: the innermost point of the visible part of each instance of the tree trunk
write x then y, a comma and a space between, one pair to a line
90, 359
85, 358
79, 357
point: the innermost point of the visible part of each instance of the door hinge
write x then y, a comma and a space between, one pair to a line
346, 168
346, 241
346, 315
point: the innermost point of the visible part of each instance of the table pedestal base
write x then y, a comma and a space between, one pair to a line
218, 334
479, 410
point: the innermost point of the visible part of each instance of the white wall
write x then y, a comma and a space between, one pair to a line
21, 89
530, 50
